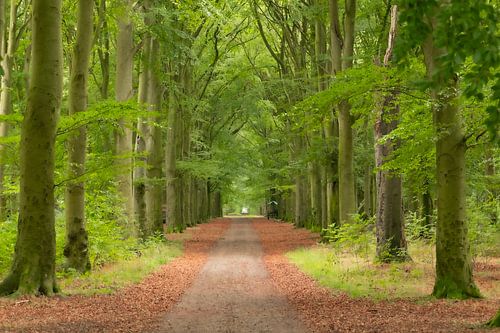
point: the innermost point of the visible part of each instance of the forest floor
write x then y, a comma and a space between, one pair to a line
234, 277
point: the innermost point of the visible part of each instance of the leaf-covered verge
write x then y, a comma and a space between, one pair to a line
326, 310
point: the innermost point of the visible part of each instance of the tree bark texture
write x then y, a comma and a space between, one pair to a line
124, 92
76, 248
140, 165
170, 167
342, 58
391, 242
154, 147
33, 268
453, 262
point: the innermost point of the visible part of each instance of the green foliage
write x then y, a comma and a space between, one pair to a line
416, 228
149, 256
356, 236
8, 235
484, 229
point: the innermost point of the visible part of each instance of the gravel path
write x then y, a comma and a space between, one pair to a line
233, 292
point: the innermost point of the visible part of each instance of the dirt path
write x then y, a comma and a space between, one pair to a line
233, 292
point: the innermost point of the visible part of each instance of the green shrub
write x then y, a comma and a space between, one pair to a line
357, 237
8, 234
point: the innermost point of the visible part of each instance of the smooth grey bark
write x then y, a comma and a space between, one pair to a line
33, 268
342, 49
154, 147
140, 165
124, 92
76, 247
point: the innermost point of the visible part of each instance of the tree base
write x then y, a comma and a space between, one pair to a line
449, 289
14, 285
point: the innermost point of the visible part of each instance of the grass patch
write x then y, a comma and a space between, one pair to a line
359, 276
115, 276
355, 272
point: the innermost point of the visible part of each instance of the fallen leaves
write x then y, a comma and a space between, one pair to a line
326, 311
138, 308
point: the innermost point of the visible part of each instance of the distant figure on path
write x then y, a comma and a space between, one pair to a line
272, 209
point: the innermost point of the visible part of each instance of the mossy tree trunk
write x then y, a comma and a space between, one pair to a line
33, 268
453, 262
76, 248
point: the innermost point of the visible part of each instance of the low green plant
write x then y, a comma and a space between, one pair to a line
358, 236
8, 234
149, 256
416, 228
343, 271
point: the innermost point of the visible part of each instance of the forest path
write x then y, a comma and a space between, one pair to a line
234, 292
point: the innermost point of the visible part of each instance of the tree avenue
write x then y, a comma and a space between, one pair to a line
350, 118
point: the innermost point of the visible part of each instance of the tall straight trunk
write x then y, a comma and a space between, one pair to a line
140, 166
347, 195
154, 188
103, 51
33, 268
124, 92
76, 248
391, 242
170, 166
342, 58
300, 191
453, 262
8, 49
315, 185
367, 191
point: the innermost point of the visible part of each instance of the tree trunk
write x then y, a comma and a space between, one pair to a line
103, 51
76, 248
391, 242
453, 262
140, 166
367, 191
342, 58
8, 49
347, 196
123, 136
33, 268
154, 188
170, 167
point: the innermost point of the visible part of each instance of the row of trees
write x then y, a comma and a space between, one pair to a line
456, 62
327, 106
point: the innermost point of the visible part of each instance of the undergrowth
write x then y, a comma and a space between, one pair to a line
109, 278
347, 261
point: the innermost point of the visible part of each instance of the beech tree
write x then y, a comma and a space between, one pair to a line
391, 242
76, 249
445, 50
33, 268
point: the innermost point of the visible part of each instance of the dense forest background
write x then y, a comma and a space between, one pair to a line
357, 118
